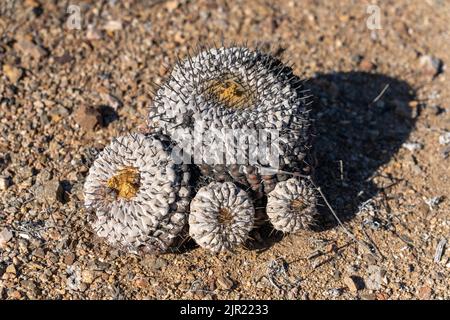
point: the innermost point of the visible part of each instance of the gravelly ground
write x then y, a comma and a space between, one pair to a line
65, 93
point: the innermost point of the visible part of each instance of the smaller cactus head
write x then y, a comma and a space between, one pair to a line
125, 183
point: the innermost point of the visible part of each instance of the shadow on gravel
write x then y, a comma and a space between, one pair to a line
355, 135
362, 119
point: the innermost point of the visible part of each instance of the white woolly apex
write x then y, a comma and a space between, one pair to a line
291, 206
221, 217
133, 187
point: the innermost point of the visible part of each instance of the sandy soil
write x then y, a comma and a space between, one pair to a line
381, 110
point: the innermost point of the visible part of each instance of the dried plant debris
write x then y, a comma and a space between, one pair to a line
139, 193
235, 88
440, 250
292, 205
277, 274
221, 217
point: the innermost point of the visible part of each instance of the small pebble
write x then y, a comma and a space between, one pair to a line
13, 73
382, 296
373, 282
412, 146
88, 117
352, 283
159, 264
367, 65
334, 292
431, 65
433, 202
368, 296
172, 5
5, 236
39, 253
113, 25
57, 113
51, 192
142, 283
69, 258
425, 293
445, 152
28, 284
27, 47
88, 276
224, 283
92, 33
15, 295
5, 182
11, 269
444, 138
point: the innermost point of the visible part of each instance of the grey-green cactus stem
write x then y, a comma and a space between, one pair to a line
138, 194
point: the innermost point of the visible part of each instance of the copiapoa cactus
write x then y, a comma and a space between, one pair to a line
138, 193
292, 205
239, 89
217, 108
221, 217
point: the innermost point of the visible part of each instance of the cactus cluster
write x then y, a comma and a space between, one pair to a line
141, 188
221, 217
236, 88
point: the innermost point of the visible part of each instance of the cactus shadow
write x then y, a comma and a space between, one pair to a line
355, 136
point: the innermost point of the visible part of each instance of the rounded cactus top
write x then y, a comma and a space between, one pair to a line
231, 87
221, 217
292, 205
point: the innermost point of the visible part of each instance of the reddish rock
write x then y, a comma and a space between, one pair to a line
88, 117
425, 293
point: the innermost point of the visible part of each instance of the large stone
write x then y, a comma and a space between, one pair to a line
373, 282
50, 192
88, 117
